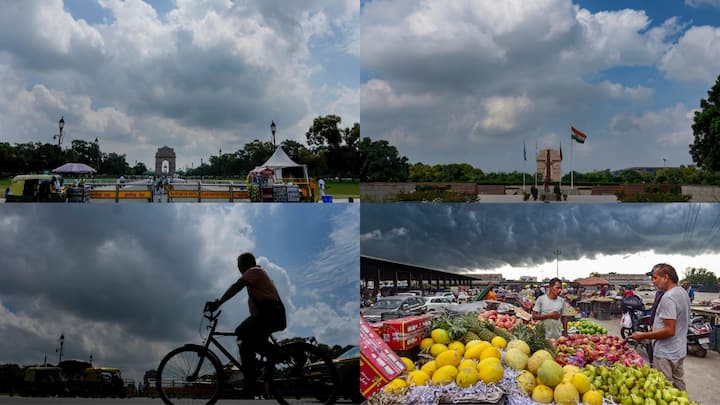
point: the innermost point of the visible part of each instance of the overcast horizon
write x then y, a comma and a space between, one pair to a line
198, 77
473, 82
517, 240
127, 283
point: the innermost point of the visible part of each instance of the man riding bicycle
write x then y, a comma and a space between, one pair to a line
267, 315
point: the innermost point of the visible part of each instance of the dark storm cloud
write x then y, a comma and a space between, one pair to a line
469, 237
123, 266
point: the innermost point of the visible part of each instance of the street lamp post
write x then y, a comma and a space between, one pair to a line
61, 125
60, 350
273, 127
557, 264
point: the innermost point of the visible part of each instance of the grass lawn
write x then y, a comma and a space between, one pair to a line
342, 189
4, 183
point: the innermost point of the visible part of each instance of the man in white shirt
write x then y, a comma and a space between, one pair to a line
321, 184
551, 310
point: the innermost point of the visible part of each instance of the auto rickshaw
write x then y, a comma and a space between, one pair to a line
36, 188
103, 382
43, 381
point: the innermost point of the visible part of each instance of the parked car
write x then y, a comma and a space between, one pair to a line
462, 297
36, 187
395, 306
434, 304
446, 294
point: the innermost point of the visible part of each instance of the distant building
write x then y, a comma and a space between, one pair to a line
623, 279
528, 278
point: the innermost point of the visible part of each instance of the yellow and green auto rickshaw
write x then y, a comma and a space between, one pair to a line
103, 382
36, 188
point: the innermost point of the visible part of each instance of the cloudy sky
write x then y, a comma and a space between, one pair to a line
198, 76
126, 283
471, 80
520, 240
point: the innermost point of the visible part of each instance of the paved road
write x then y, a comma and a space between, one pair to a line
702, 375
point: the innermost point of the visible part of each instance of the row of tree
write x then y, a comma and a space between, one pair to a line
331, 151
381, 161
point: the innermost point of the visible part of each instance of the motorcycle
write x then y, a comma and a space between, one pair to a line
698, 338
635, 320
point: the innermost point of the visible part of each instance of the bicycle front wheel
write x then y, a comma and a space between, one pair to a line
189, 375
308, 376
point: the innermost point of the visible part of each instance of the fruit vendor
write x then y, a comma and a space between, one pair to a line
669, 329
552, 311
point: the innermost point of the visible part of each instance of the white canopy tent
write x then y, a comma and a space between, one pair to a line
278, 161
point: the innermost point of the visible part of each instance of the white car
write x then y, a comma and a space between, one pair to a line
463, 297
435, 304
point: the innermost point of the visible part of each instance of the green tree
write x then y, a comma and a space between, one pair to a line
705, 149
380, 161
700, 276
139, 169
86, 152
114, 164
325, 131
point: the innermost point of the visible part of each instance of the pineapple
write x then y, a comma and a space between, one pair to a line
470, 336
485, 334
504, 334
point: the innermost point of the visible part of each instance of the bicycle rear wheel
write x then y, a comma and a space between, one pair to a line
189, 375
308, 376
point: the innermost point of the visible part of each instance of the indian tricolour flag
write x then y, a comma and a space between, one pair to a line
577, 135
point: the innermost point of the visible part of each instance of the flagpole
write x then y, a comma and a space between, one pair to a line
536, 153
524, 165
560, 166
572, 169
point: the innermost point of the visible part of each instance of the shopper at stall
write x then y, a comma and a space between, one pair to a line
690, 290
552, 311
669, 325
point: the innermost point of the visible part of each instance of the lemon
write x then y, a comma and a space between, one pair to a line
440, 336
457, 346
444, 375
472, 343
543, 394
426, 343
526, 381
409, 365
490, 372
429, 367
592, 398
448, 357
499, 342
418, 377
581, 382
467, 377
490, 352
437, 348
489, 360
467, 363
396, 386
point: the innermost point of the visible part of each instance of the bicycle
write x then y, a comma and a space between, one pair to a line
193, 374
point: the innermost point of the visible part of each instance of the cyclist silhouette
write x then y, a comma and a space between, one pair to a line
267, 315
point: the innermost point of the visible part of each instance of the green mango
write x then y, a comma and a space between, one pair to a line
650, 401
636, 400
667, 395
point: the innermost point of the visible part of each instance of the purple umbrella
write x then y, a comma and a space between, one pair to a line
74, 168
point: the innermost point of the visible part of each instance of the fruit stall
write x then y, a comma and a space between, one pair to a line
494, 358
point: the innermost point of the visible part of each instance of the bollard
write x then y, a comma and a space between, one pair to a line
117, 193
199, 192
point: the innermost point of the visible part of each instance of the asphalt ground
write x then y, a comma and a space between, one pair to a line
702, 375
